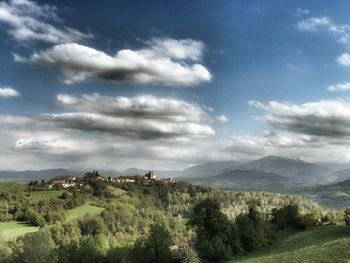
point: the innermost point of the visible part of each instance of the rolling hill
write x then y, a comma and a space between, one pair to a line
240, 177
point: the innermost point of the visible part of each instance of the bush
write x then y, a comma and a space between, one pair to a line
347, 216
35, 218
185, 255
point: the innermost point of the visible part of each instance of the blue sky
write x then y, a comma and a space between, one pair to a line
128, 83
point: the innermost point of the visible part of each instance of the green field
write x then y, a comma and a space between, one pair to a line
12, 187
322, 244
83, 210
42, 195
11, 230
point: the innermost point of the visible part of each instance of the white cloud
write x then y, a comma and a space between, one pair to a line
314, 24
222, 119
344, 59
144, 117
163, 61
36, 144
178, 49
340, 87
28, 20
7, 92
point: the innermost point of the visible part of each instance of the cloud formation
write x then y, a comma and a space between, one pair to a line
144, 117
36, 143
7, 92
163, 61
29, 21
325, 118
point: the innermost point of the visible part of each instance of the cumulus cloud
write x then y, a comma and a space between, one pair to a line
326, 118
7, 92
340, 87
145, 117
163, 61
143, 106
28, 20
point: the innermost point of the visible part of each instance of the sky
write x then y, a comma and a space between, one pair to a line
169, 84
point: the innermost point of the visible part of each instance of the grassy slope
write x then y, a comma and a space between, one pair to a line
7, 187
11, 230
322, 244
83, 210
42, 195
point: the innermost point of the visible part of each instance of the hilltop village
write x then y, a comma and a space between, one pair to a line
76, 182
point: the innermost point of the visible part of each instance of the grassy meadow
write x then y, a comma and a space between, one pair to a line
322, 244
82, 210
13, 229
43, 195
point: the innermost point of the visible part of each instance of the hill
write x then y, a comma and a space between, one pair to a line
295, 169
240, 177
323, 244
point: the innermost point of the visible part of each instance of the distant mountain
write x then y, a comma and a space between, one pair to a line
209, 169
294, 169
29, 175
240, 177
340, 175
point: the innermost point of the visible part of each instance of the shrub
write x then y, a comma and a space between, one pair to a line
288, 218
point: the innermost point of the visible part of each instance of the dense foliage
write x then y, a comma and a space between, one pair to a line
154, 222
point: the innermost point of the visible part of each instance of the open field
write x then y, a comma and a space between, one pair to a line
11, 230
322, 244
42, 195
83, 210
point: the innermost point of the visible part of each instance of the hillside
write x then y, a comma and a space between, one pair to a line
323, 244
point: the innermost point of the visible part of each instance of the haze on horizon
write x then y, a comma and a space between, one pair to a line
168, 84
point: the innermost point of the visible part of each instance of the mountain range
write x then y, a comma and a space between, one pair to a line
267, 170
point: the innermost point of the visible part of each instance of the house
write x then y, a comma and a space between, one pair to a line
151, 176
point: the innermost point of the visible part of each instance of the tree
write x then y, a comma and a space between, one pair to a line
217, 238
156, 248
347, 216
252, 230
288, 218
